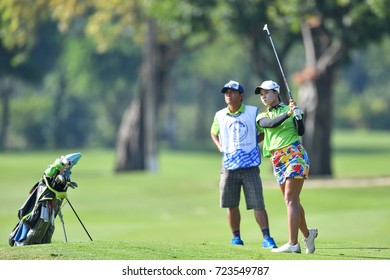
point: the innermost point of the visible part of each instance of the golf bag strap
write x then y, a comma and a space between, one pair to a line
59, 195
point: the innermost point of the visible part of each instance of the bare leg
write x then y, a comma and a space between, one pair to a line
262, 218
234, 218
302, 222
291, 190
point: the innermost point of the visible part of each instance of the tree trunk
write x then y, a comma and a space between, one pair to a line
130, 144
316, 102
137, 139
5, 93
150, 108
315, 97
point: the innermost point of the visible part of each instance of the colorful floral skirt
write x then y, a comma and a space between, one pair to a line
290, 162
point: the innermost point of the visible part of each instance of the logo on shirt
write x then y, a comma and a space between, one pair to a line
239, 131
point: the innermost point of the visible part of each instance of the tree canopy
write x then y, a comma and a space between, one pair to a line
87, 64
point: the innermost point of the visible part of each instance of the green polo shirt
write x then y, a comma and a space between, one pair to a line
215, 125
280, 136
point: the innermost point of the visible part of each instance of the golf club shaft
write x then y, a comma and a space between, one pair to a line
277, 58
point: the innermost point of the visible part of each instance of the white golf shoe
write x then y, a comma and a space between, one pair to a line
309, 241
288, 248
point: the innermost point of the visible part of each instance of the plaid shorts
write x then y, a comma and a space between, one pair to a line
290, 162
230, 185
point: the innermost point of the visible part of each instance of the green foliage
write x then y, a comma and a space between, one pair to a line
99, 46
31, 118
380, 8
109, 23
31, 63
108, 79
178, 20
362, 97
18, 23
206, 64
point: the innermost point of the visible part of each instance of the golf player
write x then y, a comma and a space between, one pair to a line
236, 135
282, 144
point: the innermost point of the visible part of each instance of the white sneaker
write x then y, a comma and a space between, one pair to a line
309, 241
288, 248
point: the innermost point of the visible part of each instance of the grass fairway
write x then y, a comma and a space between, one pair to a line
174, 214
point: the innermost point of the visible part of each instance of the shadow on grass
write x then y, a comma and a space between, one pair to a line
371, 251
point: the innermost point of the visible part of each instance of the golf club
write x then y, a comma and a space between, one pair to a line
297, 112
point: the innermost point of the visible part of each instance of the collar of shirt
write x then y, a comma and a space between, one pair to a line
280, 104
239, 111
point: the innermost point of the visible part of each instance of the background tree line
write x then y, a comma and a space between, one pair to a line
137, 76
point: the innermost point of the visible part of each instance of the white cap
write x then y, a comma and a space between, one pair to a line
267, 85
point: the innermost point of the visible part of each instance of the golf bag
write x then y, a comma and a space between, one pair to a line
37, 214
